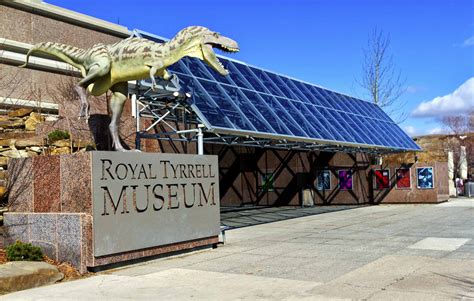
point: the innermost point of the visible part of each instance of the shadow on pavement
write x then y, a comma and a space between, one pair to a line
238, 217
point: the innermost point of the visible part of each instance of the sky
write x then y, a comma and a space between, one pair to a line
322, 42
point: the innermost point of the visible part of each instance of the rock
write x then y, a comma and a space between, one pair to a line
22, 142
36, 149
3, 191
33, 121
5, 142
62, 143
20, 112
51, 118
60, 151
3, 161
20, 275
83, 144
35, 141
12, 124
15, 153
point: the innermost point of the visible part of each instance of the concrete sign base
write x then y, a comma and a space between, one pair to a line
99, 208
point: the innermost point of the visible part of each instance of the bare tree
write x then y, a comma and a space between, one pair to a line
462, 134
381, 81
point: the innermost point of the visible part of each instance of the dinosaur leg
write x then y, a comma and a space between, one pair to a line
153, 70
95, 71
84, 110
117, 101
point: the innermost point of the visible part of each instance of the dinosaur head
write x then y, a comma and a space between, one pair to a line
200, 42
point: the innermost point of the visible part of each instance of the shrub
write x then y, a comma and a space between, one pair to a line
24, 251
58, 135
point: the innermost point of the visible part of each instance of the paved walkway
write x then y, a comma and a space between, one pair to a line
377, 253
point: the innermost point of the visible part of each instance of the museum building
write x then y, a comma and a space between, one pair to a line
279, 140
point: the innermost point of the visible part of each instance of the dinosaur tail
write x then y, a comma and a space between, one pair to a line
69, 54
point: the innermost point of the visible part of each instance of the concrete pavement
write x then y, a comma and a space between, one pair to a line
380, 252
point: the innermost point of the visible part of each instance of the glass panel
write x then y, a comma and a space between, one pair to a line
352, 128
313, 120
205, 105
325, 124
338, 124
179, 67
267, 82
266, 112
372, 132
248, 110
281, 112
307, 94
226, 106
347, 101
238, 79
359, 128
299, 117
216, 75
359, 105
295, 90
196, 68
397, 134
338, 101
385, 132
250, 77
281, 85
326, 101
383, 115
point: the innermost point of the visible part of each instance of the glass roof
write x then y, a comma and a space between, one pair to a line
254, 102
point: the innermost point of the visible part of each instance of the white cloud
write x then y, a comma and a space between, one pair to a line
412, 89
410, 130
468, 42
459, 102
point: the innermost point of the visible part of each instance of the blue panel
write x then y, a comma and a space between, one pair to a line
197, 68
237, 78
281, 85
283, 115
334, 132
217, 76
351, 127
323, 98
338, 101
248, 109
300, 95
227, 106
295, 109
337, 123
267, 82
307, 93
206, 106
267, 113
250, 77
180, 68
376, 138
314, 120
299, 118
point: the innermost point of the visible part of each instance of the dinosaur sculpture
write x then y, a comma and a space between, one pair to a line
110, 67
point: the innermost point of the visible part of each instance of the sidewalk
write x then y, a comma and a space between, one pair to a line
379, 252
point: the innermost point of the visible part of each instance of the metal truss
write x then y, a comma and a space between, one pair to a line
169, 105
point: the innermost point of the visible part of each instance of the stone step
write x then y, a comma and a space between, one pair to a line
21, 275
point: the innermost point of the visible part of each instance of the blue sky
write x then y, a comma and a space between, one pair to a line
321, 42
